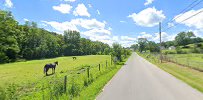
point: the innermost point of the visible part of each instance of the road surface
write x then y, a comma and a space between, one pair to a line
141, 80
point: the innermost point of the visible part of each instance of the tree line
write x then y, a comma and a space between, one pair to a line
181, 39
30, 42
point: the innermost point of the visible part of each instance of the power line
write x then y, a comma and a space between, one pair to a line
184, 20
189, 7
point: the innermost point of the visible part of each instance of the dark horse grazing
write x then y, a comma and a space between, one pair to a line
52, 66
74, 58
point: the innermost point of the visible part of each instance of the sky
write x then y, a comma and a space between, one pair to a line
109, 21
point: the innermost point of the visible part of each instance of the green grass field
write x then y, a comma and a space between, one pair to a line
31, 71
26, 80
192, 77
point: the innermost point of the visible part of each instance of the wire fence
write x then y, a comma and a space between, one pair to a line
193, 61
64, 85
185, 61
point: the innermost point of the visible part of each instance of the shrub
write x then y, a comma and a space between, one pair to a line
199, 45
169, 52
180, 51
186, 46
3, 58
196, 50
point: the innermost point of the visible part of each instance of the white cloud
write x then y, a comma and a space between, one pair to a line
99, 35
148, 17
63, 8
25, 19
164, 37
156, 38
123, 21
88, 24
100, 32
70, 0
145, 35
198, 32
170, 24
89, 5
148, 2
98, 12
109, 28
125, 41
93, 25
127, 38
94, 30
8, 3
115, 38
196, 21
81, 10
60, 27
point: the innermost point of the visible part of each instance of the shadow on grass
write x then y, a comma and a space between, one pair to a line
121, 63
49, 74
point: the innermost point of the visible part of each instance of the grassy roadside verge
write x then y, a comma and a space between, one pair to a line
91, 92
190, 76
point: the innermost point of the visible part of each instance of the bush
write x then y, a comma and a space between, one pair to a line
186, 47
169, 52
196, 50
180, 51
199, 45
3, 58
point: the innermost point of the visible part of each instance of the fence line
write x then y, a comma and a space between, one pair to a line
76, 73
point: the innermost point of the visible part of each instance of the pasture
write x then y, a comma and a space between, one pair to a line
190, 60
30, 80
30, 71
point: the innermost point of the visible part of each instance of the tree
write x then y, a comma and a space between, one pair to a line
134, 47
152, 46
142, 44
184, 38
117, 51
30, 42
72, 42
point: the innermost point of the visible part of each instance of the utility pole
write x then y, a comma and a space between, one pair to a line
160, 41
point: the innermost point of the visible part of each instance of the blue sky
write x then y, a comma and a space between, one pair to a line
122, 21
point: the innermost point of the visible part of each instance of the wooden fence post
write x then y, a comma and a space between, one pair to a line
88, 72
99, 67
65, 83
188, 62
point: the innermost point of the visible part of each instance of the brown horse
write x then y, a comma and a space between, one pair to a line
52, 66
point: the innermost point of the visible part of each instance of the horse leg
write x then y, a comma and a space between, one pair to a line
46, 72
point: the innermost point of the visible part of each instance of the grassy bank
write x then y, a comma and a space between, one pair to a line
192, 77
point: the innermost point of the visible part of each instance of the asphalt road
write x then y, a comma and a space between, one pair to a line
141, 80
